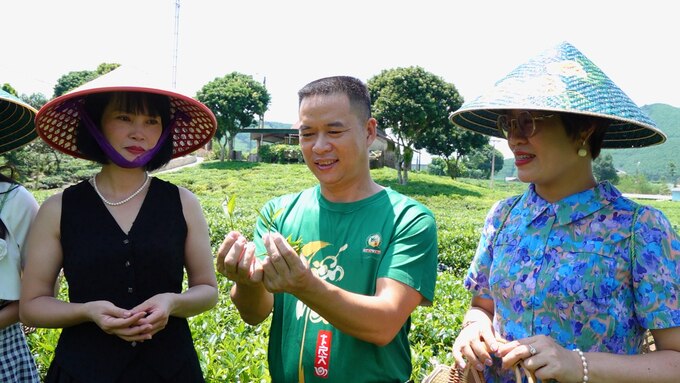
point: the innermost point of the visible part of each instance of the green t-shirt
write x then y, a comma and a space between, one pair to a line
350, 245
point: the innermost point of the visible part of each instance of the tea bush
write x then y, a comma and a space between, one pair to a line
280, 153
232, 351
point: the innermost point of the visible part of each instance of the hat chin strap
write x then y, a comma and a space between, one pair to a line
113, 154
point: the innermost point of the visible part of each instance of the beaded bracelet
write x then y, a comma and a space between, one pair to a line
585, 364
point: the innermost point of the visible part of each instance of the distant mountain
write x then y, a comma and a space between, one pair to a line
276, 125
653, 161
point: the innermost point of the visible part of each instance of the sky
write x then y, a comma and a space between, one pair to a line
470, 44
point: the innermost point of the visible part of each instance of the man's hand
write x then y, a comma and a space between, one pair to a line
236, 260
284, 269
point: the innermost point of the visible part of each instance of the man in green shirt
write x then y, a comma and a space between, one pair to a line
342, 300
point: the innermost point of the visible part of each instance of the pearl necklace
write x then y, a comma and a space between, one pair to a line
133, 195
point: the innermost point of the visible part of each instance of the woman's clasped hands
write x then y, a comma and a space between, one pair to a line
135, 325
541, 355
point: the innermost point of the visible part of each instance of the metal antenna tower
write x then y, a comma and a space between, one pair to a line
174, 55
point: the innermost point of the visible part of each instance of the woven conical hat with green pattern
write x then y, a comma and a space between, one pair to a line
562, 79
17, 126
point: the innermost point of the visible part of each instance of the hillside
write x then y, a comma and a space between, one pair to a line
653, 161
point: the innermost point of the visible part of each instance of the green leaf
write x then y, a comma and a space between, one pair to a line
231, 205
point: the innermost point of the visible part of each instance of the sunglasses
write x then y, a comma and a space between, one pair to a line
524, 124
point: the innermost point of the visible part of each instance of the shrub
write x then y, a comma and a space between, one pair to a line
231, 351
434, 328
457, 246
280, 153
265, 154
437, 167
638, 183
49, 182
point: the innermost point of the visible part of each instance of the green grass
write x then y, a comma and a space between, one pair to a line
231, 351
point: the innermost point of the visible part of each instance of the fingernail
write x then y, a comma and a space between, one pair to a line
488, 362
479, 367
494, 347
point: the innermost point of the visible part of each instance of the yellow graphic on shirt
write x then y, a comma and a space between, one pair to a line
311, 248
326, 269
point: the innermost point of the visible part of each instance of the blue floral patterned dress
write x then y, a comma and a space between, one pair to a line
577, 271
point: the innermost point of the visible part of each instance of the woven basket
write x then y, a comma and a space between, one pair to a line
647, 343
447, 374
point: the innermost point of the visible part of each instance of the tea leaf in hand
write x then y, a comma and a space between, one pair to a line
268, 221
228, 207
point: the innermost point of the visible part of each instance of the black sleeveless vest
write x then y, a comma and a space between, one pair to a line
101, 262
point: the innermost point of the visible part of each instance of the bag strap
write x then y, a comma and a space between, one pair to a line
4, 230
648, 344
4, 198
469, 374
506, 214
631, 244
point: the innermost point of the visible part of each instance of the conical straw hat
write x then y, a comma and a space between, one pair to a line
17, 126
562, 79
58, 120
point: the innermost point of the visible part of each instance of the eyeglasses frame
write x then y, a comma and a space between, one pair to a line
510, 121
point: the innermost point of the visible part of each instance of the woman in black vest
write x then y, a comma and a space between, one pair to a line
123, 238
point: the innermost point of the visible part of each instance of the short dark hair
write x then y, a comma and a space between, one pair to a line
131, 102
575, 124
355, 90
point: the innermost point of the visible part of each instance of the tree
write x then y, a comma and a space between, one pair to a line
36, 100
72, 80
478, 162
75, 79
411, 102
452, 144
604, 170
9, 89
437, 166
235, 99
105, 68
671, 173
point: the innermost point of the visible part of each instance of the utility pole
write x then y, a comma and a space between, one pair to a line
264, 84
493, 161
174, 55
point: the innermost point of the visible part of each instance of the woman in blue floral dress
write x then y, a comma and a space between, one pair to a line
568, 276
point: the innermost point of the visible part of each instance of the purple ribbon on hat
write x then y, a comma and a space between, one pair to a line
106, 147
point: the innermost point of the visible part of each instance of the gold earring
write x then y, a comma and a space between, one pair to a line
582, 152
